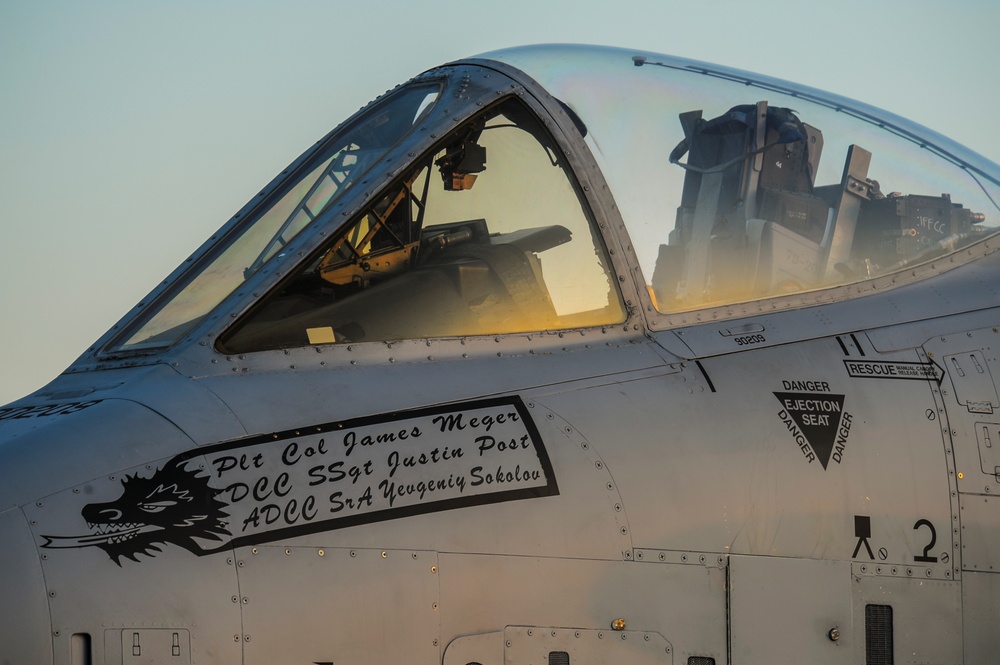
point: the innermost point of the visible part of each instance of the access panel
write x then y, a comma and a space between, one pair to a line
786, 610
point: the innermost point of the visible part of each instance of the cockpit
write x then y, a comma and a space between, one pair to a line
456, 206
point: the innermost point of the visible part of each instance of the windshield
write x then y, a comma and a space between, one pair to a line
304, 195
487, 234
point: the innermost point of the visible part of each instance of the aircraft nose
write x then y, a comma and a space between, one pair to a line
24, 612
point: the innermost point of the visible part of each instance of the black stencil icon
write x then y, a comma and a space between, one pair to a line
863, 531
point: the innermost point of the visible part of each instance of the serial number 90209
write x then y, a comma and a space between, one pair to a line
749, 339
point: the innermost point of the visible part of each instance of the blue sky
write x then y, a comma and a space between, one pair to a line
131, 131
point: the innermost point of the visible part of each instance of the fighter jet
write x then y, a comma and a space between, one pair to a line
557, 354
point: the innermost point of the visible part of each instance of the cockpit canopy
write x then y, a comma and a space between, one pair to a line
450, 208
736, 188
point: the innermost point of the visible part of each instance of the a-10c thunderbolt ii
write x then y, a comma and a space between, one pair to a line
558, 355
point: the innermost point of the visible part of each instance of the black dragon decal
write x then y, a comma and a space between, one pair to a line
175, 505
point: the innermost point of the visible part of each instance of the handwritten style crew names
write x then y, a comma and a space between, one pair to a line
434, 460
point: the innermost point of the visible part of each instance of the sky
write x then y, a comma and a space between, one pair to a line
130, 131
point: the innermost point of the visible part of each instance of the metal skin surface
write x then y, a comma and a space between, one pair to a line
738, 484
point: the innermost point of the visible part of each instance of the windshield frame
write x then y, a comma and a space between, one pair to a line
427, 165
117, 345
468, 87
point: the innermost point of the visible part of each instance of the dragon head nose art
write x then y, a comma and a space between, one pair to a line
175, 505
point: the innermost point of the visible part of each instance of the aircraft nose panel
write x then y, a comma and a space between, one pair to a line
48, 449
24, 613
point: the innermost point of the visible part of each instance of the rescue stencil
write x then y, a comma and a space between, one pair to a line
883, 369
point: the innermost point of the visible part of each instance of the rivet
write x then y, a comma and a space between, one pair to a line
434, 569
321, 553
384, 555
254, 551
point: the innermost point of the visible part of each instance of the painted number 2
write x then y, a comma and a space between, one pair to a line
925, 557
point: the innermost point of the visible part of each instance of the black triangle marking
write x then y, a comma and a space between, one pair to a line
818, 416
